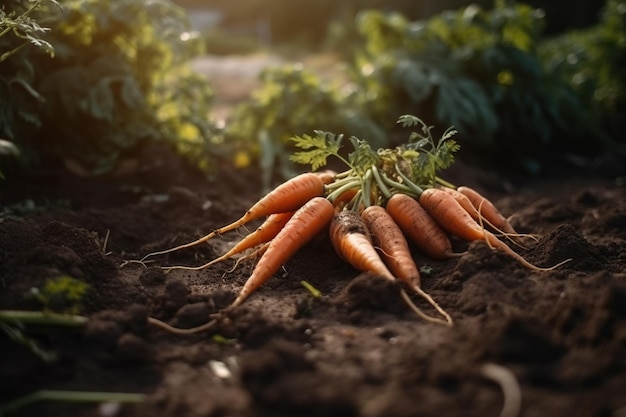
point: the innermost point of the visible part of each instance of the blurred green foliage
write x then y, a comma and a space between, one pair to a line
480, 71
592, 62
117, 80
292, 101
63, 294
516, 101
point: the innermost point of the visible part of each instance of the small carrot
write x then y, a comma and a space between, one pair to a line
308, 221
420, 227
488, 210
327, 176
289, 196
345, 197
387, 236
353, 243
481, 219
453, 218
264, 233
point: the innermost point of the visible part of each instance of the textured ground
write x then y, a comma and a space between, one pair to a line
357, 350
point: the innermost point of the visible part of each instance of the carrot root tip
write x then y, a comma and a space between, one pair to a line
448, 320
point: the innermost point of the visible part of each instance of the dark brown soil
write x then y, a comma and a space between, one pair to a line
357, 350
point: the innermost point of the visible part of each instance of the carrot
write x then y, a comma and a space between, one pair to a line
288, 196
487, 210
394, 248
454, 219
327, 176
353, 243
420, 227
311, 219
387, 236
264, 233
345, 197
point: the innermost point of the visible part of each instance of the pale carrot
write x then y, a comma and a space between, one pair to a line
353, 243
289, 196
395, 252
453, 218
420, 227
488, 211
308, 221
327, 176
485, 213
264, 233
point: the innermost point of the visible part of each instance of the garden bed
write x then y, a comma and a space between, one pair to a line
354, 351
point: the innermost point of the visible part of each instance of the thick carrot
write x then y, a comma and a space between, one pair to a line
289, 196
453, 218
353, 243
488, 210
352, 240
264, 233
394, 248
311, 219
420, 227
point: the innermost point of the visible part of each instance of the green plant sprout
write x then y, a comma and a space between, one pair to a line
311, 289
62, 294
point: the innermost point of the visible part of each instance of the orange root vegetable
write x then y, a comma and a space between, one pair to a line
308, 221
420, 227
289, 196
395, 252
454, 219
345, 197
488, 211
353, 243
327, 176
394, 248
264, 233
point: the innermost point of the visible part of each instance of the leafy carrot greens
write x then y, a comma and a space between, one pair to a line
380, 173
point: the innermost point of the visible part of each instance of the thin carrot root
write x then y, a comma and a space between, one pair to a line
254, 254
448, 320
307, 222
478, 214
407, 300
176, 330
289, 196
452, 217
510, 388
496, 243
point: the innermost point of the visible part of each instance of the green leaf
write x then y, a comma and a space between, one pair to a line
363, 156
318, 148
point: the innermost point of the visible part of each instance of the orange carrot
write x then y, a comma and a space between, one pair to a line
353, 243
327, 176
453, 218
420, 227
345, 197
394, 248
311, 219
288, 196
487, 210
264, 233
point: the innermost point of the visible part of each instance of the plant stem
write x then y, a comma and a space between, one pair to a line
70, 396
42, 318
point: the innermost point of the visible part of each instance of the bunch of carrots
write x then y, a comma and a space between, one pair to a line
372, 212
